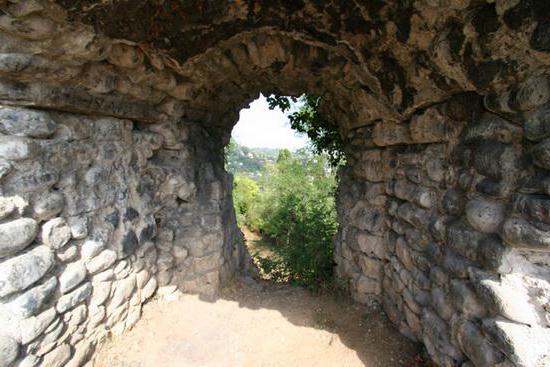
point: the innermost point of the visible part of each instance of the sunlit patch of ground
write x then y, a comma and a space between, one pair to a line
260, 324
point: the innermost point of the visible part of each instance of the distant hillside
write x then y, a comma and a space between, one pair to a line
247, 161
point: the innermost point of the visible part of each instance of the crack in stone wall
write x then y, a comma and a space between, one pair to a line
113, 119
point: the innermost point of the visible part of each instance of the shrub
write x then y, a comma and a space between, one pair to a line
297, 209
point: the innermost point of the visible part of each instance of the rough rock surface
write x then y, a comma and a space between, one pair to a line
113, 118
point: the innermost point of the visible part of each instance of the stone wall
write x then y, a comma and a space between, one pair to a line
96, 214
444, 219
113, 118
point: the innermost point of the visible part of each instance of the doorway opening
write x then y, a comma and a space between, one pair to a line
284, 190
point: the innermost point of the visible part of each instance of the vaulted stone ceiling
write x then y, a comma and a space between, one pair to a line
371, 59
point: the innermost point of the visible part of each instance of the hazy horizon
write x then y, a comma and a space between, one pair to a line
260, 127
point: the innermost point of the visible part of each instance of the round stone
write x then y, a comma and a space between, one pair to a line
9, 350
71, 277
533, 93
16, 235
485, 216
20, 272
26, 122
16, 148
48, 206
56, 233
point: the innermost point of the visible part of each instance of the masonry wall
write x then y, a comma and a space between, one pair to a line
95, 214
445, 220
443, 207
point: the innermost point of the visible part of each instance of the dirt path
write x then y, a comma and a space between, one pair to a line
260, 324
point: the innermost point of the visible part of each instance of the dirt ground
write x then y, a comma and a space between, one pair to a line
257, 323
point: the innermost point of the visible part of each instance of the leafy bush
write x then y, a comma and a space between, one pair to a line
245, 194
307, 119
296, 208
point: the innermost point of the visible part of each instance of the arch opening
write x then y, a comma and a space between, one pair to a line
112, 162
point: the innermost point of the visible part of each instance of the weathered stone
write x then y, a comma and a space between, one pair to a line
104, 276
490, 252
453, 202
432, 126
57, 357
142, 278
517, 341
372, 267
30, 328
72, 276
493, 127
37, 180
442, 303
180, 253
437, 333
537, 207
30, 302
541, 154
533, 93
9, 350
102, 261
91, 248
17, 148
456, 264
484, 215
496, 160
7, 207
125, 56
122, 291
67, 253
20, 272
164, 277
149, 289
79, 227
413, 321
26, 122
16, 235
129, 243
507, 298
56, 233
537, 125
5, 168
519, 233
48, 206
371, 245
375, 73
29, 361
465, 300
416, 216
387, 133
101, 291
474, 344
70, 300
81, 354
463, 240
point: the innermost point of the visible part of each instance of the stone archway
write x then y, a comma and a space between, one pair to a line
115, 115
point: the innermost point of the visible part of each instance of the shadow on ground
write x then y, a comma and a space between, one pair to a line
260, 324
364, 329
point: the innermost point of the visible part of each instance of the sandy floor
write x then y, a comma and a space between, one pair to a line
260, 324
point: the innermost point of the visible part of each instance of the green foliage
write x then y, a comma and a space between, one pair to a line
295, 206
245, 161
245, 194
307, 119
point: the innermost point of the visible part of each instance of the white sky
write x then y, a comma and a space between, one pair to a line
260, 127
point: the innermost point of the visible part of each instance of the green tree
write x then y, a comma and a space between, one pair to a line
297, 209
245, 194
307, 119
